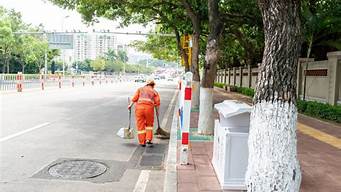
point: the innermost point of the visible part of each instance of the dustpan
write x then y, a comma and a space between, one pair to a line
126, 132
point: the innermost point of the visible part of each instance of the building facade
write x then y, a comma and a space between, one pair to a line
82, 46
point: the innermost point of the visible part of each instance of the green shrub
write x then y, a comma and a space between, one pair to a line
243, 90
221, 85
248, 91
320, 110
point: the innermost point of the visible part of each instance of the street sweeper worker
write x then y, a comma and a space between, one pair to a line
146, 99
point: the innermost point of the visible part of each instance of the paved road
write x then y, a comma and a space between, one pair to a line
39, 129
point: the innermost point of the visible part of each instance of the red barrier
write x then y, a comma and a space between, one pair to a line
19, 79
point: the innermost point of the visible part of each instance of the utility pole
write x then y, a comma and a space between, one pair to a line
45, 57
63, 51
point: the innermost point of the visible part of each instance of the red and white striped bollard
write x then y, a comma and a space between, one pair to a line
59, 81
19, 79
186, 118
42, 81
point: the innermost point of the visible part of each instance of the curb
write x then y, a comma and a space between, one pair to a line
171, 178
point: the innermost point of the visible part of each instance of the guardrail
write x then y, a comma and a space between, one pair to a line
20, 82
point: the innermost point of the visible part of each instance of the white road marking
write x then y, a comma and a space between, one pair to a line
142, 181
23, 132
165, 117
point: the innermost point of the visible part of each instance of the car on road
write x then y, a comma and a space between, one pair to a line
140, 79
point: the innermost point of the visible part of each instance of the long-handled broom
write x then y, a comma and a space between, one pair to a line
159, 130
126, 133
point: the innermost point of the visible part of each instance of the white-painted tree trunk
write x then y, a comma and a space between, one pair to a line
205, 124
195, 94
273, 164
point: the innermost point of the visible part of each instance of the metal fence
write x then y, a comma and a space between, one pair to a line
9, 82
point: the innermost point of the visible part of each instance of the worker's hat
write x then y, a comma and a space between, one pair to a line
150, 81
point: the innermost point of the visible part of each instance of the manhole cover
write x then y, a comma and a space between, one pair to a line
77, 169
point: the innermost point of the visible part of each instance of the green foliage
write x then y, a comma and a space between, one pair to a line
243, 90
320, 110
243, 40
82, 65
98, 64
220, 85
139, 69
20, 52
321, 20
161, 47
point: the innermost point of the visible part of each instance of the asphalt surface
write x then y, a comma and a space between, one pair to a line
39, 128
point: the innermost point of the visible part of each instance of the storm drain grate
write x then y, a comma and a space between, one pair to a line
151, 160
77, 169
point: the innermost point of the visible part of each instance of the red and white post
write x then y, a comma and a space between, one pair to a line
73, 81
92, 80
186, 117
59, 81
19, 79
83, 77
42, 82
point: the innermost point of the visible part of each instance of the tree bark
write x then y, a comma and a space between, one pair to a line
7, 64
195, 52
273, 164
210, 69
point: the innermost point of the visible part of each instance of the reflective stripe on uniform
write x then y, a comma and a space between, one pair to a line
149, 128
145, 99
141, 132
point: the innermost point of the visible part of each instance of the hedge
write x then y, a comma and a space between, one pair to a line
243, 90
310, 108
320, 110
221, 85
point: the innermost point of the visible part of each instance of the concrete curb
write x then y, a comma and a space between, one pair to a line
171, 181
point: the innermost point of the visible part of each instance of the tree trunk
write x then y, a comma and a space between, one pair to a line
195, 52
195, 71
211, 59
23, 68
181, 50
7, 65
273, 164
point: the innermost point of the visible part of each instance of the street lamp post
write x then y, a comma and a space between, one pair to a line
63, 53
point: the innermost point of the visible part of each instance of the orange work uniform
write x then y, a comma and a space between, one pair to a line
146, 98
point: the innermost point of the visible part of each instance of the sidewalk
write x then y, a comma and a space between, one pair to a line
320, 162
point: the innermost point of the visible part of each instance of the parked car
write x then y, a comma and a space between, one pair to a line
140, 79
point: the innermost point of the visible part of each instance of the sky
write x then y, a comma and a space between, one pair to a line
57, 19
